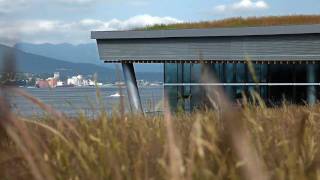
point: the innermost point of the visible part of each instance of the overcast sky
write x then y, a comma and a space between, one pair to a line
70, 21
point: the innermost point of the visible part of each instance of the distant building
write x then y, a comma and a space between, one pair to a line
51, 82
40, 83
56, 75
60, 84
80, 81
74, 80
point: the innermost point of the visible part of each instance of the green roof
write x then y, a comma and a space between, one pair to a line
242, 22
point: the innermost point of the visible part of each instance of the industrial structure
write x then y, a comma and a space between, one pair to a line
284, 61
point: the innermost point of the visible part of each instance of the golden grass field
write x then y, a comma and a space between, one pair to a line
243, 22
251, 142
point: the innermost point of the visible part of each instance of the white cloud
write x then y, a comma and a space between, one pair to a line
139, 3
41, 31
221, 8
131, 23
8, 6
243, 5
77, 2
139, 21
13, 6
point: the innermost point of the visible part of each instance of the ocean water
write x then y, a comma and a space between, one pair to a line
72, 101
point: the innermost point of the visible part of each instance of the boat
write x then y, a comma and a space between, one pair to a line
116, 95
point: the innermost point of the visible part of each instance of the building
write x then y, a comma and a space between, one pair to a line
61, 84
75, 80
79, 80
51, 82
285, 61
56, 75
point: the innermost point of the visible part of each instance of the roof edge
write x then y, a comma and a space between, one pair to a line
209, 32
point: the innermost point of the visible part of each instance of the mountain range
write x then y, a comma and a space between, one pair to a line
82, 53
40, 64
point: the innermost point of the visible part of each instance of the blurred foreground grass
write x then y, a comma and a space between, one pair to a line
252, 142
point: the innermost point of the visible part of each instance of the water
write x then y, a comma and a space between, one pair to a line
71, 101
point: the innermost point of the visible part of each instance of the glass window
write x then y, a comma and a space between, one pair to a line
171, 92
264, 73
229, 72
218, 71
180, 73
190, 97
187, 73
281, 73
187, 88
195, 73
241, 74
170, 75
254, 74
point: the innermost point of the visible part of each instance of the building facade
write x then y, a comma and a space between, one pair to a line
275, 83
278, 62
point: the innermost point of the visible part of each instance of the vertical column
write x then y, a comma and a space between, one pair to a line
311, 90
132, 87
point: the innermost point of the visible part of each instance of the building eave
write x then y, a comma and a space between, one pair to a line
213, 32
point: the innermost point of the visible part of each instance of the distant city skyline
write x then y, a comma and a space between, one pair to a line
70, 21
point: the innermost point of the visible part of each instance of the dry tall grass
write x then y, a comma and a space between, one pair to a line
243, 22
253, 142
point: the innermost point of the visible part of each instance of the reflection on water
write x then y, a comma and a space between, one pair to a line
74, 100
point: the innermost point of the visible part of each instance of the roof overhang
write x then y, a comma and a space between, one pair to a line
214, 32
271, 43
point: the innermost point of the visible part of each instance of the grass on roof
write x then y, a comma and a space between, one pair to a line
242, 22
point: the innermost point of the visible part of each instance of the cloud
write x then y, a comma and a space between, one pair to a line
77, 2
42, 31
8, 6
243, 5
139, 3
13, 6
92, 2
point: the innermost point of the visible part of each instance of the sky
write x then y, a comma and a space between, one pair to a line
70, 21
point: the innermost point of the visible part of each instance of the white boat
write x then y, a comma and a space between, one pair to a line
116, 95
